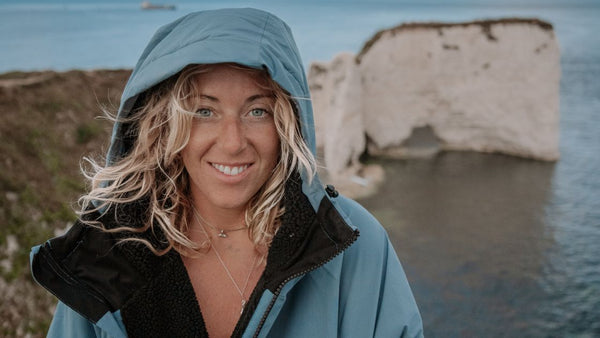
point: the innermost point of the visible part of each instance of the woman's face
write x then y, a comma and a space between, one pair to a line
233, 144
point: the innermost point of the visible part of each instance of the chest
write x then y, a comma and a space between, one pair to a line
222, 288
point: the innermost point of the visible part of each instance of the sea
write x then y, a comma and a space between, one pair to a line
493, 245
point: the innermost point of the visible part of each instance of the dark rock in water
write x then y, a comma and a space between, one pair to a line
149, 5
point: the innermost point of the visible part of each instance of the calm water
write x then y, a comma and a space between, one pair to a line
493, 245
67, 34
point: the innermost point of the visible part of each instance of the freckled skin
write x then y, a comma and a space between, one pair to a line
234, 127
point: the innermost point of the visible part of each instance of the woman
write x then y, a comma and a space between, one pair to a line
208, 218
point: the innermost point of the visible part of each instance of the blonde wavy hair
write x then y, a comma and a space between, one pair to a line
153, 169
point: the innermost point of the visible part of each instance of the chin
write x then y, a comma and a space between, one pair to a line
231, 202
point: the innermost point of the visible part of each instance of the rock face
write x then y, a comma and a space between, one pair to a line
490, 86
336, 90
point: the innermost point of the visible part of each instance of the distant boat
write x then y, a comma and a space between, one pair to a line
149, 5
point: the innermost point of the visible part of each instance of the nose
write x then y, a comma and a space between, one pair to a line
232, 136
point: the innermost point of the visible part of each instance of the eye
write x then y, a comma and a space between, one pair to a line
257, 112
204, 112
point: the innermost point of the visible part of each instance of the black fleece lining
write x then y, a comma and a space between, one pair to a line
166, 306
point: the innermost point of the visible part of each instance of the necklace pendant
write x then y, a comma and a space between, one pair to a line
222, 234
243, 305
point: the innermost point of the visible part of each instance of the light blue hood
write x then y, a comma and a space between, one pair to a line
246, 36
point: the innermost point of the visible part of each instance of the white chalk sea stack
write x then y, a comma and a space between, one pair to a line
415, 89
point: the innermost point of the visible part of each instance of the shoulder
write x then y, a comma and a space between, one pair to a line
372, 233
372, 251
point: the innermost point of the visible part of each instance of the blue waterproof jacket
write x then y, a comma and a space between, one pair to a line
321, 279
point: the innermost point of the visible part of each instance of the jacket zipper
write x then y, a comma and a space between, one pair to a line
298, 274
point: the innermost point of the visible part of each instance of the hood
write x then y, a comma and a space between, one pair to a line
246, 36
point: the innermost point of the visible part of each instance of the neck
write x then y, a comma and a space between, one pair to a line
220, 217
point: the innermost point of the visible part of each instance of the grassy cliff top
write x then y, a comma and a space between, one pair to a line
48, 122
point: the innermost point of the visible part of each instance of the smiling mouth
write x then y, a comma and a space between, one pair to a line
230, 170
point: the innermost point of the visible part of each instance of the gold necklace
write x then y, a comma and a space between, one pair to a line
222, 233
241, 291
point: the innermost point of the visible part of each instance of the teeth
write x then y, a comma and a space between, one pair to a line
231, 171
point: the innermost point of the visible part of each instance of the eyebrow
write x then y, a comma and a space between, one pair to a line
258, 97
248, 100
